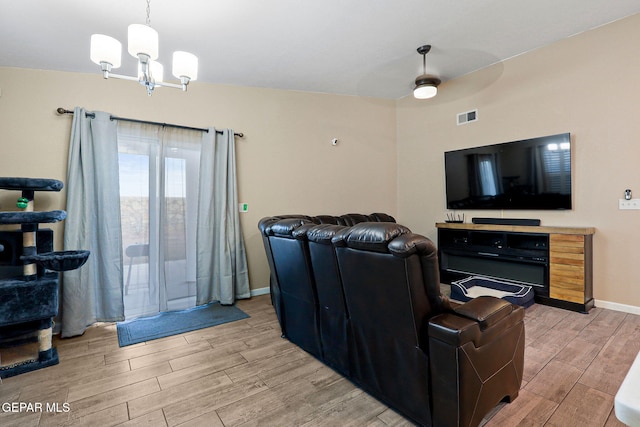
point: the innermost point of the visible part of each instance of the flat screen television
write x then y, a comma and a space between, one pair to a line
529, 174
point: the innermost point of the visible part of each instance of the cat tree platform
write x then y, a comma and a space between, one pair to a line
32, 217
30, 184
60, 260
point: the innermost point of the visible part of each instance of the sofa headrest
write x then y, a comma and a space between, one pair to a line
344, 220
300, 233
325, 219
352, 219
285, 227
381, 217
265, 222
409, 244
370, 236
323, 233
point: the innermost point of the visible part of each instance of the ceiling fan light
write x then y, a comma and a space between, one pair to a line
185, 64
425, 92
143, 40
105, 49
426, 87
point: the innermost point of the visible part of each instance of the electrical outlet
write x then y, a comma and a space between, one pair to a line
629, 204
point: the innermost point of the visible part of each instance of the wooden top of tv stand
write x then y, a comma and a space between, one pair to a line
517, 228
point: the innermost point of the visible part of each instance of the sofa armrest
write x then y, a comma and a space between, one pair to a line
487, 311
476, 359
479, 320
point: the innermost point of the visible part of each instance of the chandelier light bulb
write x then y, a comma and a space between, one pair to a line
143, 40
105, 49
157, 72
185, 64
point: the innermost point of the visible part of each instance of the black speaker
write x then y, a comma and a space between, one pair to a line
506, 221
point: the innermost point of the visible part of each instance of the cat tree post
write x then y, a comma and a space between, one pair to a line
28, 234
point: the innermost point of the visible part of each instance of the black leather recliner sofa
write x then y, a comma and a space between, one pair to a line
379, 319
295, 285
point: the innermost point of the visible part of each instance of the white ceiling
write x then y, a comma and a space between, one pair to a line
353, 47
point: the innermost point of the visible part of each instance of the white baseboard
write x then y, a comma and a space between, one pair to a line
632, 309
625, 308
259, 291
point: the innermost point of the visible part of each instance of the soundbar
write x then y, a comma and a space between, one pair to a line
506, 221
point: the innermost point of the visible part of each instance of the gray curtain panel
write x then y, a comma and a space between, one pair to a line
222, 273
93, 293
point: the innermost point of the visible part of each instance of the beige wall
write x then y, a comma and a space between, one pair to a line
286, 163
588, 85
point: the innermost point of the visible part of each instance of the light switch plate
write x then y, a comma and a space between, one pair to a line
629, 204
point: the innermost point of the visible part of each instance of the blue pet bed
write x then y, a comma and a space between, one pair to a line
475, 286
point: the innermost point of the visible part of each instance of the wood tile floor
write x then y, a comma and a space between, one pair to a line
244, 374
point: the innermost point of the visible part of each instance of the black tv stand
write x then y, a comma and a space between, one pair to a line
556, 261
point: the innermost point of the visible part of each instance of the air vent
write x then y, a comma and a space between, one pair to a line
468, 117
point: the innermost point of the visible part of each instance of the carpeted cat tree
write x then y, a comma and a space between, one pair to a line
29, 276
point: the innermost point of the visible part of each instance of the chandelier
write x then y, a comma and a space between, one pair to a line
143, 45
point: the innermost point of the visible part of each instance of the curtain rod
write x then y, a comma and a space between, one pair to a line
61, 111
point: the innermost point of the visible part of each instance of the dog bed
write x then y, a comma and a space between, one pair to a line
475, 286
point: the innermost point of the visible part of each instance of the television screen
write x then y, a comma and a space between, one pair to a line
529, 174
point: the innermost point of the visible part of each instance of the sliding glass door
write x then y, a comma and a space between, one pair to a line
158, 171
